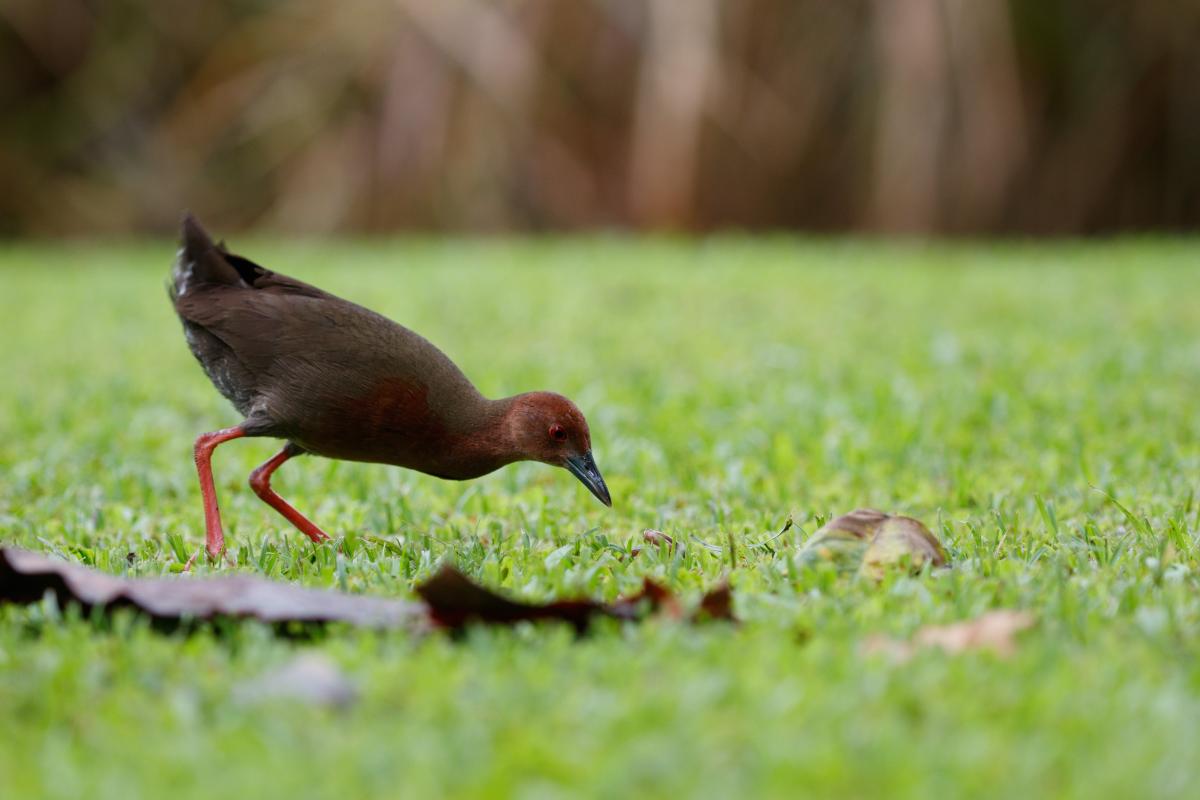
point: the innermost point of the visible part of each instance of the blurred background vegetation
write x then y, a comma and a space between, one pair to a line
922, 116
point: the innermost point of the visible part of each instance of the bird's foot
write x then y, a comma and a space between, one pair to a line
315, 534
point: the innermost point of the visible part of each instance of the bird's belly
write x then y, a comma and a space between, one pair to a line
411, 443
393, 424
435, 458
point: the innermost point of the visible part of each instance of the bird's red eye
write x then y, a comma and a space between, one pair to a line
558, 433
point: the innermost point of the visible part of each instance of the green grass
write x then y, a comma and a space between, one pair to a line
1036, 405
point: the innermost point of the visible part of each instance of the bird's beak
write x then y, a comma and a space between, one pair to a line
584, 467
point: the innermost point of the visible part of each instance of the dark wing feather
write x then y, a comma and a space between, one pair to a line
207, 282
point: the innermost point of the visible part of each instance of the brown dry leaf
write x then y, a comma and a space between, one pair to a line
717, 604
654, 598
657, 537
455, 601
994, 630
873, 543
26, 577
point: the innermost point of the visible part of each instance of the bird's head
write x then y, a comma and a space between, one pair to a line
548, 427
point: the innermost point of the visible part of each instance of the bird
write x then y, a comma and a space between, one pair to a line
334, 379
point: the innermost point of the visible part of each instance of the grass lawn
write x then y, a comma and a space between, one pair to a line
1036, 405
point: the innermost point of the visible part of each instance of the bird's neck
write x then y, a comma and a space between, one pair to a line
490, 440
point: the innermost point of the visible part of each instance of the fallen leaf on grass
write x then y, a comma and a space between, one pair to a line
657, 537
451, 599
995, 631
455, 601
25, 577
653, 598
716, 604
872, 543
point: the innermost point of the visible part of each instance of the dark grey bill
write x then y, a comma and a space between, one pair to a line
584, 467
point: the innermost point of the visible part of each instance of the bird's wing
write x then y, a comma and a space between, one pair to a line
261, 279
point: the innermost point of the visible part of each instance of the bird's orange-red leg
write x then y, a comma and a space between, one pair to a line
214, 537
260, 482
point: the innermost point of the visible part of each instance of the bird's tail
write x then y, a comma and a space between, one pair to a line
199, 262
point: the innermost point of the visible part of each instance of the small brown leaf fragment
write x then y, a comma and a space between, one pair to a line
658, 537
995, 631
717, 604
655, 598
878, 644
454, 601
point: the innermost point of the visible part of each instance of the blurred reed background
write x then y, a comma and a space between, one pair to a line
922, 116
